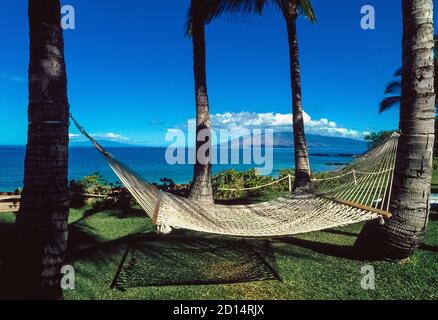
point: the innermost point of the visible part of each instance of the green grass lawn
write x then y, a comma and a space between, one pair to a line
319, 265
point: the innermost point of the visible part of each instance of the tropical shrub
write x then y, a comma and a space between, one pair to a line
232, 179
229, 179
375, 139
167, 184
90, 185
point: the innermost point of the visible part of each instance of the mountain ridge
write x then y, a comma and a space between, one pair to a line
280, 140
286, 140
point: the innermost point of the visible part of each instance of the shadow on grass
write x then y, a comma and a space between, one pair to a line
341, 233
7, 237
7, 254
12, 286
117, 213
7, 234
339, 251
427, 247
182, 259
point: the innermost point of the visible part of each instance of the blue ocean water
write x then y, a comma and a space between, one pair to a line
150, 163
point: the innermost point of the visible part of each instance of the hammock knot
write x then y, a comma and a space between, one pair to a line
164, 229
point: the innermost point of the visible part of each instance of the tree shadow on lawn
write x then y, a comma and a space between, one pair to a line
433, 217
82, 239
352, 252
7, 234
327, 249
341, 233
117, 213
427, 247
7, 240
7, 254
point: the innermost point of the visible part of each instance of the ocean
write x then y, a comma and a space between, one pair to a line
150, 163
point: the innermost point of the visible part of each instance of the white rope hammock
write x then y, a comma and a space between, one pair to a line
357, 192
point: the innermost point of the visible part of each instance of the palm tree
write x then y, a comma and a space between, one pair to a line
201, 189
403, 233
290, 10
42, 220
393, 89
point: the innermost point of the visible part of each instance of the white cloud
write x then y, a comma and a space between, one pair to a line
101, 136
109, 136
280, 122
11, 77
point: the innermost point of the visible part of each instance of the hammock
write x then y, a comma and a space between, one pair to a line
357, 192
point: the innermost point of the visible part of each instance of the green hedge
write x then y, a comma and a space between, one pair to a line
233, 179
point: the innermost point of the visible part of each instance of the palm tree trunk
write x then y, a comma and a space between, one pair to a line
42, 220
402, 234
302, 169
413, 172
202, 183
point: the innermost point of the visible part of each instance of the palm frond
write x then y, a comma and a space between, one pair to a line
306, 9
209, 10
393, 87
398, 73
215, 8
188, 24
389, 103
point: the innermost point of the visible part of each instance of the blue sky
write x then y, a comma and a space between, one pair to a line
130, 72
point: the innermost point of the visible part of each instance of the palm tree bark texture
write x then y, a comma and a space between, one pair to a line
42, 222
201, 189
302, 167
401, 235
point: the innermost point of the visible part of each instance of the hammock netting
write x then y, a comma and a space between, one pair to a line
356, 192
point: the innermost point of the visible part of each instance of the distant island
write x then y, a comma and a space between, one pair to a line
315, 142
280, 140
285, 140
103, 143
